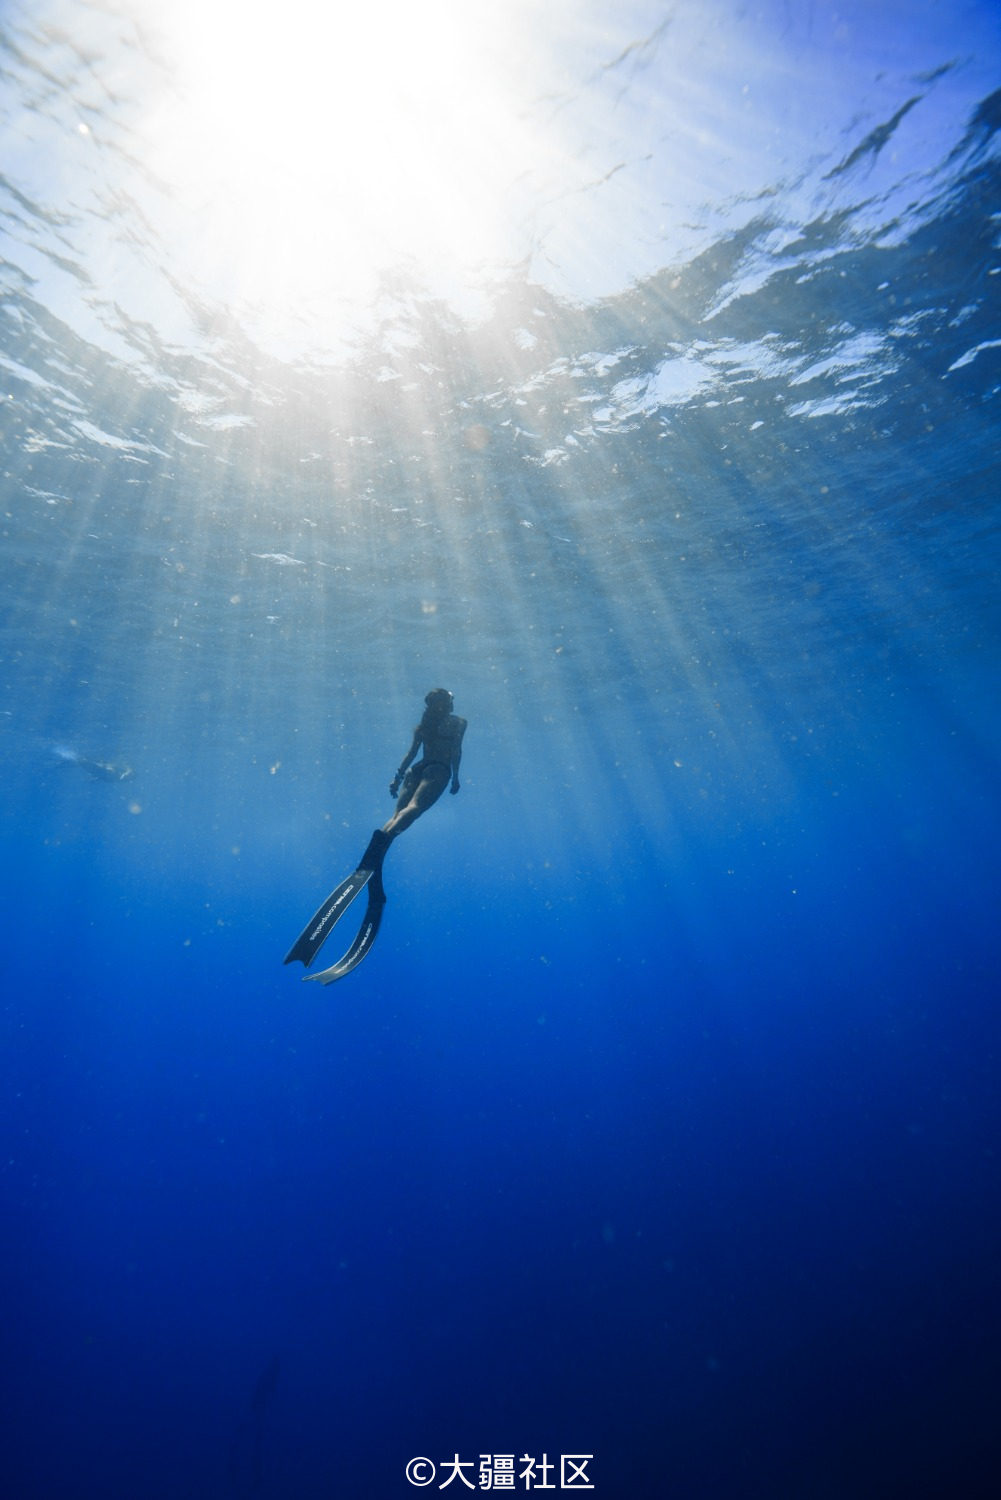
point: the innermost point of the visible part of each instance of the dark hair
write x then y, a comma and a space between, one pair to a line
439, 703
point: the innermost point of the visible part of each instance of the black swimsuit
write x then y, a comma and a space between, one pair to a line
423, 770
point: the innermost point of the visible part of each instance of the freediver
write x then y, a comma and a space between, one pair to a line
417, 786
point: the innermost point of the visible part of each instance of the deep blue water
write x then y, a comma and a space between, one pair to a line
662, 1122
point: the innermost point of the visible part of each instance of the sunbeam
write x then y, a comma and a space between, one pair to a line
311, 151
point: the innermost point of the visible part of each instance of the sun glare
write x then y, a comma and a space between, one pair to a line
308, 148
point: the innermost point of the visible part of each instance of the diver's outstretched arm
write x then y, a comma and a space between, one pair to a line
456, 757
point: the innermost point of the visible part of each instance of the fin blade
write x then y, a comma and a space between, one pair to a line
362, 945
320, 925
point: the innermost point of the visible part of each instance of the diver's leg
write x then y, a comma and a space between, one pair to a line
426, 793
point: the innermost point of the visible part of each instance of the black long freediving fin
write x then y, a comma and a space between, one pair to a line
320, 925
367, 934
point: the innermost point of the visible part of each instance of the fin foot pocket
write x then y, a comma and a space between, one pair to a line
376, 852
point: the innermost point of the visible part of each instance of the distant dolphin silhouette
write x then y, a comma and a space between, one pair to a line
101, 770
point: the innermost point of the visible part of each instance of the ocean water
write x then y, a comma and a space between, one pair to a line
633, 372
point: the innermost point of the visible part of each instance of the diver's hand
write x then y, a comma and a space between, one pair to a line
394, 787
454, 787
